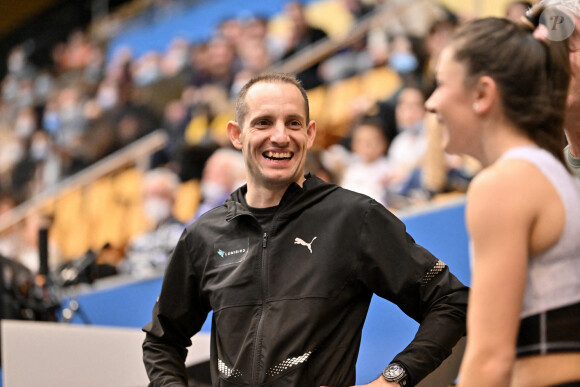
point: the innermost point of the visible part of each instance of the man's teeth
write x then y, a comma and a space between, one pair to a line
278, 155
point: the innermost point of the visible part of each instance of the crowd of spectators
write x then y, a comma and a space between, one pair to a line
57, 120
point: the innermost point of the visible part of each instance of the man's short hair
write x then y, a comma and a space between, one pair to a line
242, 107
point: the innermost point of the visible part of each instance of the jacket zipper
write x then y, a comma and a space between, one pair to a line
258, 343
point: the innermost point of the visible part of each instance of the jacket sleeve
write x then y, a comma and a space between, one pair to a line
178, 314
394, 267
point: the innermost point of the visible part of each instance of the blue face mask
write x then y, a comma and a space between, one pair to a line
403, 62
51, 122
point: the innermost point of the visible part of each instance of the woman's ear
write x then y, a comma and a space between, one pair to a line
235, 132
486, 94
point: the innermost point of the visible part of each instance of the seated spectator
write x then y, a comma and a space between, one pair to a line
107, 94
255, 59
217, 61
302, 35
403, 59
407, 150
148, 252
71, 128
47, 161
75, 54
131, 117
175, 58
355, 59
437, 37
223, 173
147, 69
420, 167
368, 168
18, 64
231, 30
197, 67
256, 28
174, 122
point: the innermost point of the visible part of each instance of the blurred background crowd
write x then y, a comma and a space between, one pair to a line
113, 125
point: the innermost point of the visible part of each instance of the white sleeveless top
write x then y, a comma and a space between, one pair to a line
553, 278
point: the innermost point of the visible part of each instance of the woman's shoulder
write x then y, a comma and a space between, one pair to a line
506, 188
507, 176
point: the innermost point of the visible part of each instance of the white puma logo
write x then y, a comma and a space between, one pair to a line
298, 241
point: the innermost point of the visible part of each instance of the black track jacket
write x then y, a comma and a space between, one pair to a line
289, 303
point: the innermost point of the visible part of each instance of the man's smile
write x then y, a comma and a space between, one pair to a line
278, 155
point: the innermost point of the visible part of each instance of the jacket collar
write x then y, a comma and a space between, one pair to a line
236, 207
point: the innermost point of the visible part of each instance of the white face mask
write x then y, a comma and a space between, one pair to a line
213, 192
24, 127
16, 62
39, 150
157, 209
415, 128
107, 97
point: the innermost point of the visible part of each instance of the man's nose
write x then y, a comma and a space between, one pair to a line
279, 133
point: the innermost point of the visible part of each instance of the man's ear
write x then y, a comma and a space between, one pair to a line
234, 131
311, 133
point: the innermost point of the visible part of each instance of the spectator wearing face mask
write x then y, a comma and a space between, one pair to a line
222, 174
408, 148
403, 60
147, 254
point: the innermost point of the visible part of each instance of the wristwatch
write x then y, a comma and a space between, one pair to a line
395, 372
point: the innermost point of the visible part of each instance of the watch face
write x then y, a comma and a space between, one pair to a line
393, 372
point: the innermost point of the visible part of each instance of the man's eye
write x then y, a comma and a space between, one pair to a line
295, 124
261, 123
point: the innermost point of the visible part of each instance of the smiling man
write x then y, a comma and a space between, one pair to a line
289, 264
274, 131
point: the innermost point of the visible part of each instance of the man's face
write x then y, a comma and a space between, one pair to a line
274, 136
